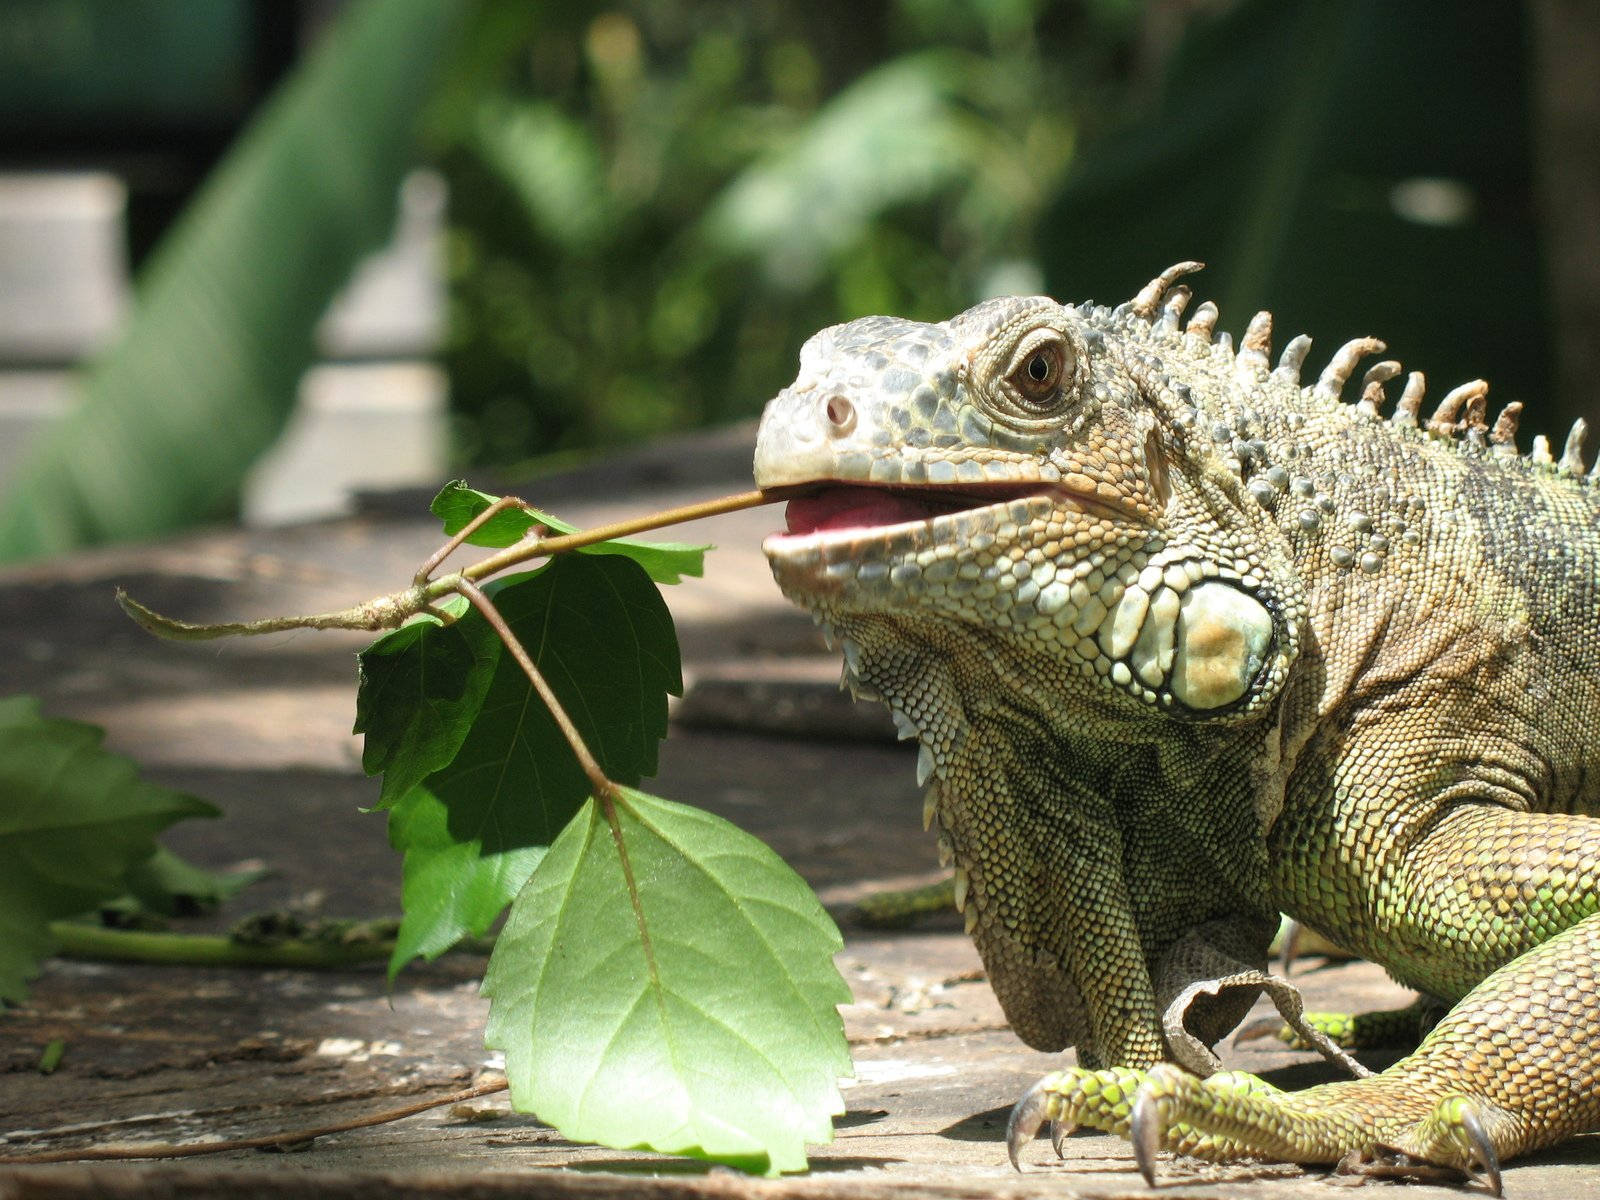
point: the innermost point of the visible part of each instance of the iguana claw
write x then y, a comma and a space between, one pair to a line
1058, 1136
1483, 1158
1026, 1117
1144, 1131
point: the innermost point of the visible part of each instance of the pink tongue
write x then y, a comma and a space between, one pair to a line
854, 508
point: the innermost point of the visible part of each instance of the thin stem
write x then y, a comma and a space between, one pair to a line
223, 1145
393, 610
521, 552
466, 531
603, 787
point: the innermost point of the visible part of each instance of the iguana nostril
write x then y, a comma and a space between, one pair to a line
841, 415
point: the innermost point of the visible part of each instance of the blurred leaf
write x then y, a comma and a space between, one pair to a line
74, 820
891, 137
682, 1000
172, 886
475, 827
456, 505
1282, 152
552, 164
204, 377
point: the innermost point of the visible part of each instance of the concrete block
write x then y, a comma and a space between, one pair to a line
63, 264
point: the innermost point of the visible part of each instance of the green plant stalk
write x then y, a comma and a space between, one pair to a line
78, 940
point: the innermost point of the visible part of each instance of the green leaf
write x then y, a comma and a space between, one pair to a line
420, 687
171, 886
204, 376
450, 889
600, 634
73, 820
682, 999
456, 505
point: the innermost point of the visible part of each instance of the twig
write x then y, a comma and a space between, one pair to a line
513, 555
125, 1151
393, 610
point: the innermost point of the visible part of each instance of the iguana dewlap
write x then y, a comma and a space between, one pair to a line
1186, 643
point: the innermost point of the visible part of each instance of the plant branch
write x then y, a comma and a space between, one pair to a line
431, 564
520, 553
393, 610
135, 1150
603, 787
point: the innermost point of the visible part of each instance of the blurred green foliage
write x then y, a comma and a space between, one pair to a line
653, 204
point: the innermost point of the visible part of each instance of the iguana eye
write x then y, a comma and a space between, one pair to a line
1039, 366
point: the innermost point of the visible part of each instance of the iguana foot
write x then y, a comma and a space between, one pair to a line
1234, 1114
1177, 1111
1105, 1099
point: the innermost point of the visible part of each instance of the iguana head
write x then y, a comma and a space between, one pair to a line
1033, 470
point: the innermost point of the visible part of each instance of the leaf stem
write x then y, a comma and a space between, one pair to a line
431, 564
79, 940
135, 1150
603, 787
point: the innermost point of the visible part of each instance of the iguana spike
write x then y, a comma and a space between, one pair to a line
1150, 296
1292, 359
1476, 417
1444, 419
1203, 322
1372, 394
1405, 413
1177, 300
1258, 337
1572, 453
1540, 454
1344, 360
1254, 347
1503, 437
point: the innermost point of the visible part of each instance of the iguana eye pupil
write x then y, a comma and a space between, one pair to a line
1038, 377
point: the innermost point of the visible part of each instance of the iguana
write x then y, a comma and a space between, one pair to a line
1187, 643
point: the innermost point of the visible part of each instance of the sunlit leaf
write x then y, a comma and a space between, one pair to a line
681, 999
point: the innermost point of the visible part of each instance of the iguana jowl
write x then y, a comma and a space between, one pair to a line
1186, 643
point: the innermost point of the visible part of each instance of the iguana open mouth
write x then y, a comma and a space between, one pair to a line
831, 507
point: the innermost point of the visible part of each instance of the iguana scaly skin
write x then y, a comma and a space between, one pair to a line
1186, 643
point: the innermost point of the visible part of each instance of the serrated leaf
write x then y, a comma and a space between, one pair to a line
420, 688
456, 505
450, 888
600, 634
681, 1001
73, 820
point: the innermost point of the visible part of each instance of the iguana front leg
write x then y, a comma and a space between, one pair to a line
1513, 1067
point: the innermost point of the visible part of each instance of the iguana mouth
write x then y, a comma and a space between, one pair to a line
836, 507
